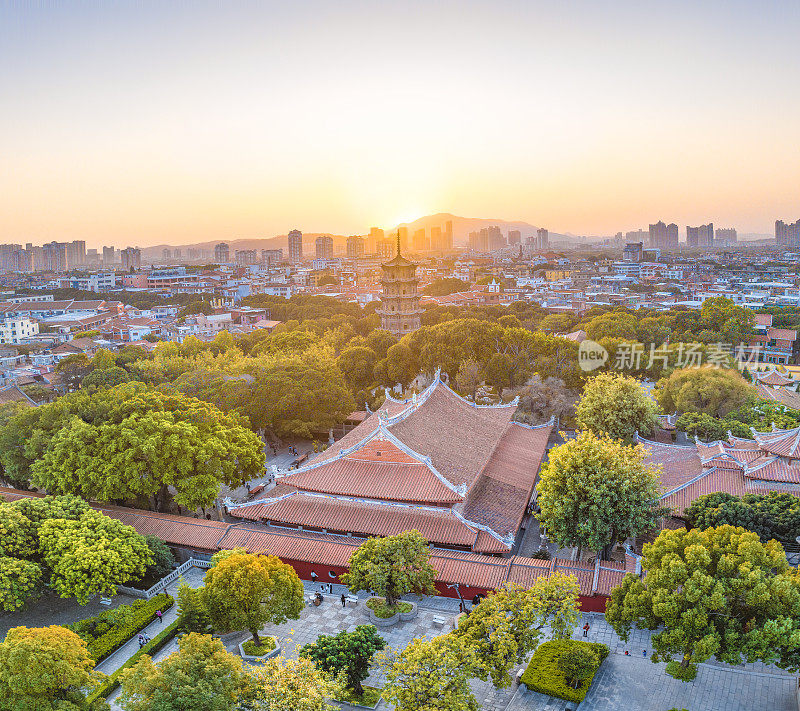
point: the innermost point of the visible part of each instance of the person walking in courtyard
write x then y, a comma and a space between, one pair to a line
344, 600
158, 614
586, 630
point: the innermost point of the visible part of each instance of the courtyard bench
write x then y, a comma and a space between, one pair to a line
439, 621
351, 600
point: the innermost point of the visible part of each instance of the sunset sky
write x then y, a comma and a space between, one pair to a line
182, 122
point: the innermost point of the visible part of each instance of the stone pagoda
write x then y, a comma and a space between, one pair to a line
399, 311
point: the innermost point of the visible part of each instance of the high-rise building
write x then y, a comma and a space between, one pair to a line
447, 239
496, 238
355, 247
420, 241
399, 310
7, 252
514, 237
108, 256
246, 256
725, 236
37, 257
324, 247
55, 256
542, 238
662, 236
222, 253
271, 256
132, 258
176, 254
436, 239
787, 235
474, 241
166, 254
295, 246
702, 236
384, 248
375, 235
76, 254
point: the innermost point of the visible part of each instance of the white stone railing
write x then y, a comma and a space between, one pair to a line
167, 580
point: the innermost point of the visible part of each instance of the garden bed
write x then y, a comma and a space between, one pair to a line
269, 648
544, 675
105, 633
370, 698
382, 616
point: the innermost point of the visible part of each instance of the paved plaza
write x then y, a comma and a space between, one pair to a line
623, 683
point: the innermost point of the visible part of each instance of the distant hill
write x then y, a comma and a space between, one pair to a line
462, 226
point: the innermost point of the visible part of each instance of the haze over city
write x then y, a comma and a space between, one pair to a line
182, 123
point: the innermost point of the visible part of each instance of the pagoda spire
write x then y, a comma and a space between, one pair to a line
398, 241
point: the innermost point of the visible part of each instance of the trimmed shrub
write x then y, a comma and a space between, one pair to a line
381, 609
108, 631
545, 675
675, 670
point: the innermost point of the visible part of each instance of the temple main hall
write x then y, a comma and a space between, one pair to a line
459, 473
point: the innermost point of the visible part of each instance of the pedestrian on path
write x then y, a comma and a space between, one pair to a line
344, 600
586, 630
141, 641
158, 614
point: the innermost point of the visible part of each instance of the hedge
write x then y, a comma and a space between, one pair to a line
111, 682
142, 613
544, 676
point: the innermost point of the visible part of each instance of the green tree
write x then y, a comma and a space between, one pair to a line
103, 360
73, 369
201, 676
19, 582
595, 491
578, 663
245, 591
163, 559
615, 405
613, 324
714, 391
91, 555
44, 669
105, 378
772, 515
714, 592
401, 366
192, 610
131, 442
357, 364
282, 684
431, 676
507, 625
443, 287
347, 653
392, 566
17, 533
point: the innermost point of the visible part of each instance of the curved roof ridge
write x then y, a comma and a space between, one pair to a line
549, 423
649, 442
750, 470
414, 403
505, 540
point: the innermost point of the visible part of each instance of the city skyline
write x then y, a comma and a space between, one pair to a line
169, 125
